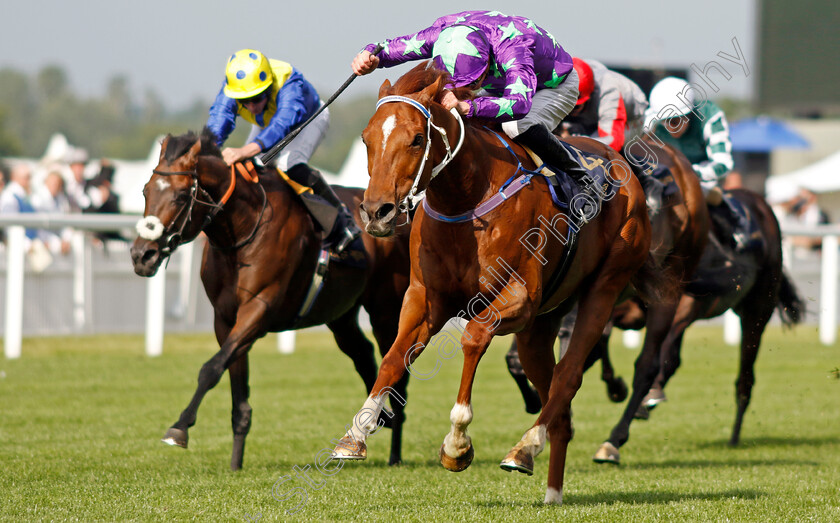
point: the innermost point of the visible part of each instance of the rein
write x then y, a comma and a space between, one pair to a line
512, 186
147, 226
414, 196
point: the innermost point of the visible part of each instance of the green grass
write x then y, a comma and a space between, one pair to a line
81, 418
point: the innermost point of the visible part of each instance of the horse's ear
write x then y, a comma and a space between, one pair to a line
191, 158
163, 146
385, 88
433, 90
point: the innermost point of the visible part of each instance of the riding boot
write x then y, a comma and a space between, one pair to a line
539, 139
725, 219
653, 192
653, 188
338, 225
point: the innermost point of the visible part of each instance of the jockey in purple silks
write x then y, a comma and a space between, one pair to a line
524, 78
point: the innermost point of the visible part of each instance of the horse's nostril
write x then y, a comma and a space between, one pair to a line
385, 210
149, 255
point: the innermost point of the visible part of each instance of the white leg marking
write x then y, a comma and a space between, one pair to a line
364, 422
534, 440
162, 184
457, 440
553, 496
387, 127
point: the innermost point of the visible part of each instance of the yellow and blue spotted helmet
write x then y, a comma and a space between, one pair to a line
248, 74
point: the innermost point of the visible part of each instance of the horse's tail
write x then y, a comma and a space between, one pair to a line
657, 283
791, 306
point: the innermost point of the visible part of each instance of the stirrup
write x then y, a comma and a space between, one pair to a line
346, 239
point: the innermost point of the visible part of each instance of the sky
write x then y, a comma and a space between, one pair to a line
179, 47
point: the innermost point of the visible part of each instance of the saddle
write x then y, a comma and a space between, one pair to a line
565, 192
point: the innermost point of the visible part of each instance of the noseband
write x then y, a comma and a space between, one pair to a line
173, 234
414, 196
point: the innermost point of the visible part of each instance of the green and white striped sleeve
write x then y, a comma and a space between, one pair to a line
718, 149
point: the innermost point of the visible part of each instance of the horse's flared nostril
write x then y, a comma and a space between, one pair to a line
385, 210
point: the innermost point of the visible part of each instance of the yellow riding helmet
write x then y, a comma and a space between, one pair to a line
248, 74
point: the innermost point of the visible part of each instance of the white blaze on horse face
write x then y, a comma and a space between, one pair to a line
387, 127
162, 184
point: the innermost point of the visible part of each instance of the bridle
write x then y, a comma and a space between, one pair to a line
414, 195
173, 234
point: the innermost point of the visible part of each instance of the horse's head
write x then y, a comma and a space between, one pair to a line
398, 139
171, 215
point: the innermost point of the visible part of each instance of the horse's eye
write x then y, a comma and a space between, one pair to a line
181, 197
418, 140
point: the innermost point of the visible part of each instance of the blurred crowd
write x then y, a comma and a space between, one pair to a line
73, 185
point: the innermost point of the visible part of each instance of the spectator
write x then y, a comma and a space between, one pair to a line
102, 198
98, 190
16, 196
804, 210
76, 186
51, 198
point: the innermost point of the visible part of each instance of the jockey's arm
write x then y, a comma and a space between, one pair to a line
398, 50
718, 149
520, 86
232, 155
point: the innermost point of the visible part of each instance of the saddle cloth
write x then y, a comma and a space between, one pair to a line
564, 189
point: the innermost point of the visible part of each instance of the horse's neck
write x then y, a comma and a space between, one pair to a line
237, 218
465, 181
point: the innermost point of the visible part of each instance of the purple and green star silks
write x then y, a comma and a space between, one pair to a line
525, 58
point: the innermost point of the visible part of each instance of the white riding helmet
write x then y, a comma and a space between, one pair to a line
665, 93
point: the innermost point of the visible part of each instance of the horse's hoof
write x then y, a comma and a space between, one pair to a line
519, 461
607, 453
642, 413
175, 437
654, 397
349, 449
457, 464
617, 390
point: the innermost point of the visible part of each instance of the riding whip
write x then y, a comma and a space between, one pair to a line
270, 154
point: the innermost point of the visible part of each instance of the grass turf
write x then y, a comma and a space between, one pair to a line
81, 418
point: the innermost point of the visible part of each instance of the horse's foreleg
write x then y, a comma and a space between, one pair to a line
537, 357
247, 329
659, 321
352, 342
517, 372
415, 329
385, 331
241, 409
688, 311
595, 308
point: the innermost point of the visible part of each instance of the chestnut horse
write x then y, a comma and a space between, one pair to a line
261, 256
478, 269
679, 233
751, 282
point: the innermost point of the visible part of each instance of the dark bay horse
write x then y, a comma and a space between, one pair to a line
262, 252
478, 269
752, 283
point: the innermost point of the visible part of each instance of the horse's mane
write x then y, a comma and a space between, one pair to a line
424, 75
179, 145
